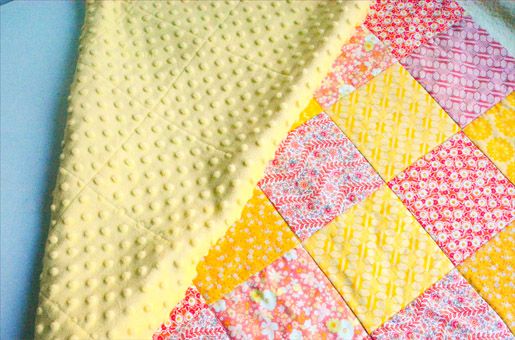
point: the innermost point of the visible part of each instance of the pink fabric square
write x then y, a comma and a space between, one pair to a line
450, 309
192, 318
290, 299
361, 59
458, 196
316, 174
406, 24
464, 69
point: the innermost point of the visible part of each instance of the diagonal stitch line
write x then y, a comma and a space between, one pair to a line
137, 222
135, 128
148, 109
168, 22
65, 314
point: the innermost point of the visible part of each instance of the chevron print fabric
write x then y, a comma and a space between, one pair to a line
316, 174
451, 309
464, 69
192, 318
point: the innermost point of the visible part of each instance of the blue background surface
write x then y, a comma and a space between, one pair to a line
38, 46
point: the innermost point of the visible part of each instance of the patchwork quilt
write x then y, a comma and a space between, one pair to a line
339, 170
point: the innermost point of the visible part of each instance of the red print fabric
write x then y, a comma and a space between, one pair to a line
192, 318
316, 174
406, 24
450, 309
458, 196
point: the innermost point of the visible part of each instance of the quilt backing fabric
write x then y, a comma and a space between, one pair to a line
387, 210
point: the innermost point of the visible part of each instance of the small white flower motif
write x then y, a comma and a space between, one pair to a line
295, 335
219, 305
346, 89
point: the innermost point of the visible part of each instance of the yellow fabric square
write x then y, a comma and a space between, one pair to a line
378, 257
494, 134
490, 270
393, 121
258, 238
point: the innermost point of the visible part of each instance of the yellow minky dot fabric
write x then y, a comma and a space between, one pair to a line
490, 270
494, 134
393, 121
378, 257
175, 109
258, 238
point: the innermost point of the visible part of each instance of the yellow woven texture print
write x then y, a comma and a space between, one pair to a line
258, 238
175, 110
490, 270
393, 121
494, 134
378, 257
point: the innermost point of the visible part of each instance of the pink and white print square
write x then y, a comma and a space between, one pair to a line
317, 173
464, 69
458, 195
450, 309
289, 299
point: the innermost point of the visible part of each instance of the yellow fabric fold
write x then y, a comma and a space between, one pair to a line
175, 109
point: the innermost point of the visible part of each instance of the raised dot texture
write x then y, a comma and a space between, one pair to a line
167, 135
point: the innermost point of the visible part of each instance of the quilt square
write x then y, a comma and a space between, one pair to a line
290, 299
256, 240
392, 121
361, 59
490, 271
378, 257
450, 309
464, 69
494, 134
316, 174
192, 318
406, 24
458, 196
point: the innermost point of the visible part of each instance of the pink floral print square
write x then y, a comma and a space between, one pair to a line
290, 299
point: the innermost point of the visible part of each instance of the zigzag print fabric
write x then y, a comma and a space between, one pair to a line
451, 309
317, 173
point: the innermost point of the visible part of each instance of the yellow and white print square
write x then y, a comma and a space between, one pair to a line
378, 257
494, 134
393, 121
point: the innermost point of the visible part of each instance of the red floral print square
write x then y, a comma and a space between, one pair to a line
406, 24
458, 196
